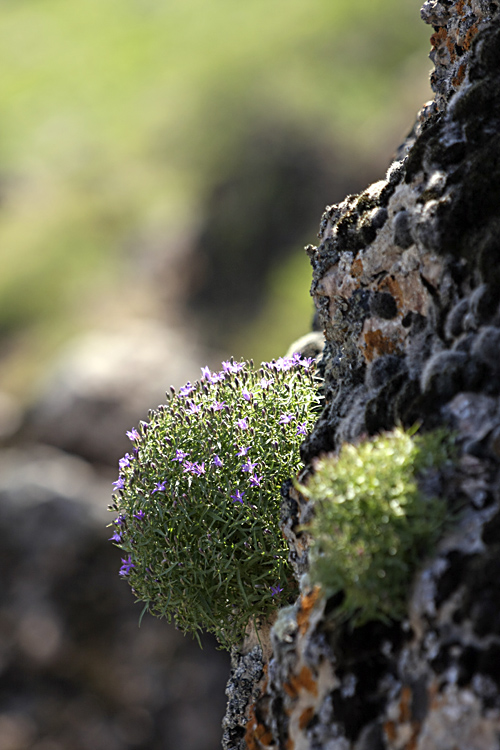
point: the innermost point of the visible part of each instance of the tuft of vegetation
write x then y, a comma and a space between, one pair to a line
198, 498
373, 524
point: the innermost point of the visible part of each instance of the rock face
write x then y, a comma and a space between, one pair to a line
406, 281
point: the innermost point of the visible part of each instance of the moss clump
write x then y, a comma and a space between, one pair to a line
198, 497
372, 523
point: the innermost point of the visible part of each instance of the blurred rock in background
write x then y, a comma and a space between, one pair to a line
76, 671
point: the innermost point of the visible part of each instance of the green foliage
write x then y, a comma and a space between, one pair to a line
199, 497
372, 523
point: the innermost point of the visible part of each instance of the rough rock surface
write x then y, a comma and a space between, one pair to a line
406, 281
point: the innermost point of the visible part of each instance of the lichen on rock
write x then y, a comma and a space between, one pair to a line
406, 282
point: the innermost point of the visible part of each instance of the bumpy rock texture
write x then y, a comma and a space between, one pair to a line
406, 281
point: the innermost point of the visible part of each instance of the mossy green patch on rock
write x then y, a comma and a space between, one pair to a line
374, 522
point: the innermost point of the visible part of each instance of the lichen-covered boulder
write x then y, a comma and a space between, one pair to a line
406, 281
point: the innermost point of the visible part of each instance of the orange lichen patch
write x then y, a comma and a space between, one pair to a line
441, 36
405, 704
391, 285
303, 681
290, 689
307, 602
257, 735
357, 268
458, 79
390, 731
469, 37
305, 717
438, 36
377, 344
460, 6
404, 719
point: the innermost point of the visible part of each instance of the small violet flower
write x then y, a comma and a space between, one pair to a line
233, 367
265, 382
160, 487
242, 451
237, 497
242, 423
219, 405
180, 456
126, 567
275, 590
125, 461
117, 537
301, 429
255, 481
248, 466
186, 389
119, 484
307, 362
286, 419
193, 408
217, 461
140, 515
133, 435
246, 394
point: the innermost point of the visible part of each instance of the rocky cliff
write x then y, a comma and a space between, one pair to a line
406, 282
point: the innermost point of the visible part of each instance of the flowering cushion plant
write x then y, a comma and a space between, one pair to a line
198, 496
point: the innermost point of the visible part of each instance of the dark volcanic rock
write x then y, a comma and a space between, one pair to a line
406, 282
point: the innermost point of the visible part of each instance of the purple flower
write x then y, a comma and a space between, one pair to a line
217, 461
275, 590
199, 469
117, 537
125, 461
211, 377
193, 408
186, 389
126, 567
133, 435
255, 481
233, 367
286, 419
238, 497
119, 484
140, 515
248, 466
160, 487
284, 363
242, 451
246, 394
307, 362
265, 382
242, 423
301, 429
219, 405
119, 521
187, 466
180, 456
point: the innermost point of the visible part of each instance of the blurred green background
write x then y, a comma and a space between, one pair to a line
170, 159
